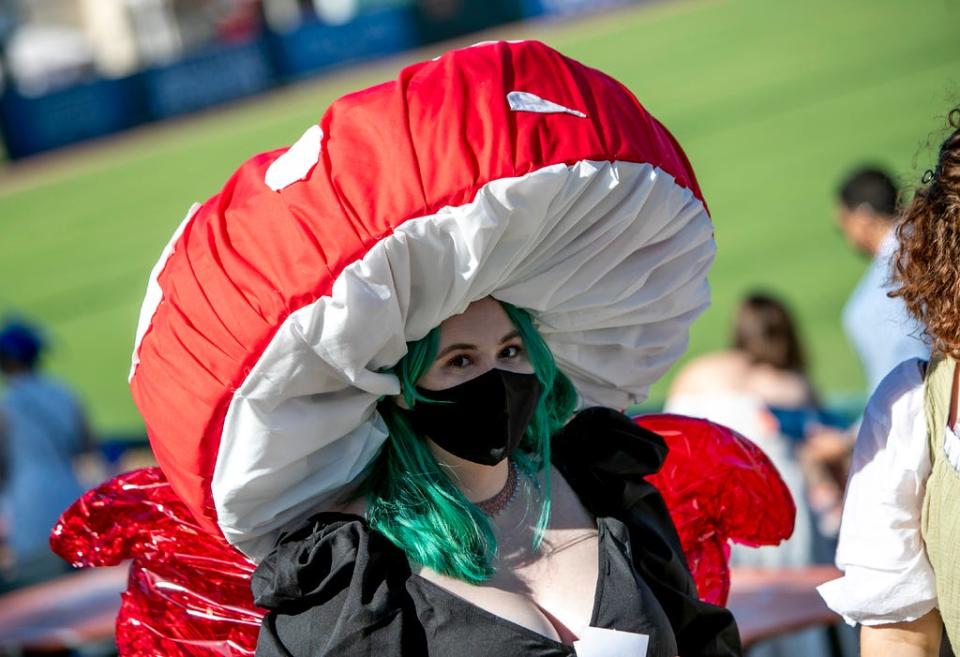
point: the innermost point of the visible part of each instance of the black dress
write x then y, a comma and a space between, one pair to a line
337, 588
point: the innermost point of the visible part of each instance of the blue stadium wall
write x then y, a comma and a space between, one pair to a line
33, 124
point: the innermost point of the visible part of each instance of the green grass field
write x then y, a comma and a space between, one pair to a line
773, 102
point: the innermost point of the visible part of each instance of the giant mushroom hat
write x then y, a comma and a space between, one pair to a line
503, 169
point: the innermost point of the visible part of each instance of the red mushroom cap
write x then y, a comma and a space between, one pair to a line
504, 169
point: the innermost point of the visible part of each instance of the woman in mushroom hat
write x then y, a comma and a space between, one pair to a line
358, 361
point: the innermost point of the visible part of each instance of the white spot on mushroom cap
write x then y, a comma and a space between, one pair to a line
296, 162
524, 101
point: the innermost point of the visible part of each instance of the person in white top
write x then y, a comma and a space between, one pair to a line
887, 577
891, 578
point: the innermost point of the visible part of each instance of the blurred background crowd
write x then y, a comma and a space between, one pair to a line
808, 127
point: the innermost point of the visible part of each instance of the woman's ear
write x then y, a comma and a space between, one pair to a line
400, 401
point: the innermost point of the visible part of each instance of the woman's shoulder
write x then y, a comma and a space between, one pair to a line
894, 414
323, 558
599, 437
605, 457
779, 387
720, 370
903, 384
330, 581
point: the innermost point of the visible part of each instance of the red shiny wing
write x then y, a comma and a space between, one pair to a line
188, 594
719, 487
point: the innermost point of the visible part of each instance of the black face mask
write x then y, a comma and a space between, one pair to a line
482, 420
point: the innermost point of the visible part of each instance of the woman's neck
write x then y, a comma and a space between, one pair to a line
477, 482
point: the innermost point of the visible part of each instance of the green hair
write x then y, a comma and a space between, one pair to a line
412, 501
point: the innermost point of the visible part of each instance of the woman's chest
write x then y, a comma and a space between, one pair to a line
540, 608
551, 592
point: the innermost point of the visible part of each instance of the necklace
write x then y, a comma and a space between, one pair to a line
494, 505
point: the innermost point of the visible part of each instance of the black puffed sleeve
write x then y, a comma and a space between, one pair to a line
605, 457
336, 588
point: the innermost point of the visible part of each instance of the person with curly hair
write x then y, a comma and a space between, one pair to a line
900, 538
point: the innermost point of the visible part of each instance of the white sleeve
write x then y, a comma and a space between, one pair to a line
887, 577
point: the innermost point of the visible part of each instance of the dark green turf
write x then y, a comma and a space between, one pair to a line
773, 101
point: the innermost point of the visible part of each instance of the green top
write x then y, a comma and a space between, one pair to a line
940, 526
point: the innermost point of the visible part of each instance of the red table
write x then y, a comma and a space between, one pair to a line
63, 613
771, 602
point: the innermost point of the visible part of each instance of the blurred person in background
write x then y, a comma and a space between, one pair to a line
42, 430
877, 325
765, 360
900, 540
759, 387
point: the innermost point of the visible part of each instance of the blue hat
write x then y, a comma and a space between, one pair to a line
20, 342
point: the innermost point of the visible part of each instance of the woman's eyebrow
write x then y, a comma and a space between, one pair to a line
455, 347
510, 336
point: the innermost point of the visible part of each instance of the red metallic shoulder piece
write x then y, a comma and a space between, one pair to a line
189, 591
719, 487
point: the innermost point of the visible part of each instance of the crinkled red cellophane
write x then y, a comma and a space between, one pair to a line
188, 592
719, 487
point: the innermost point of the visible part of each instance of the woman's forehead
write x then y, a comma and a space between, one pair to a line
483, 321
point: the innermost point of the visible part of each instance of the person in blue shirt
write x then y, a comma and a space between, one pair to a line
879, 327
42, 430
881, 331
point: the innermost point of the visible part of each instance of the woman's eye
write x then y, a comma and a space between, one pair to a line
511, 351
459, 362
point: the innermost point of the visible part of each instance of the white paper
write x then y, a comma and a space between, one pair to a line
601, 642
